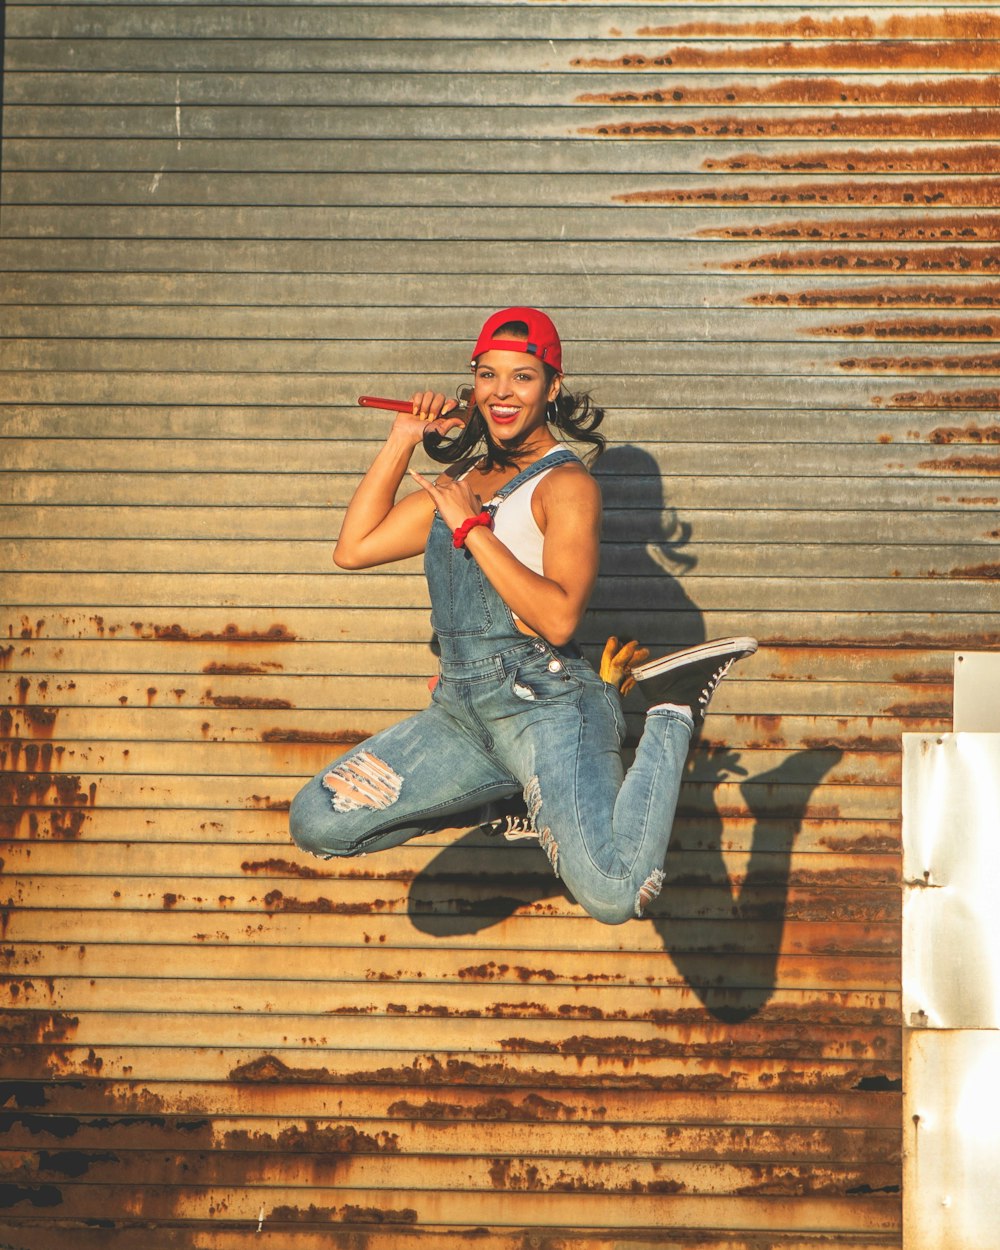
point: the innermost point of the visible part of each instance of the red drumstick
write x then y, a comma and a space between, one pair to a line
387, 405
406, 405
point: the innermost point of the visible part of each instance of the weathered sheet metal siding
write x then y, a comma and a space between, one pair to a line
770, 236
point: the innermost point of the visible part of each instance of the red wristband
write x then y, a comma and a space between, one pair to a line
470, 523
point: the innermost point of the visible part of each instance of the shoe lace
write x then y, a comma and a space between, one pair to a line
506, 825
705, 697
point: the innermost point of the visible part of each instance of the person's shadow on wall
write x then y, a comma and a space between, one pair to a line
724, 940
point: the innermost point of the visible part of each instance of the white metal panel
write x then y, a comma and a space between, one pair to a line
951, 1125
951, 874
977, 692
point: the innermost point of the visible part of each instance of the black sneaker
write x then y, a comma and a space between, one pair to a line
689, 677
506, 818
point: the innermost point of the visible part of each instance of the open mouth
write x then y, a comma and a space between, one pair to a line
503, 414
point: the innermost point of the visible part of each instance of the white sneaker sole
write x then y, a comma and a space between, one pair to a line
738, 648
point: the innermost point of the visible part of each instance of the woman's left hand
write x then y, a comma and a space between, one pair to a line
455, 501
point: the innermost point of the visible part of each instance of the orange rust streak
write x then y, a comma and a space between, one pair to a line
972, 229
983, 124
968, 434
231, 633
976, 192
953, 25
982, 158
912, 260
977, 572
923, 364
981, 295
880, 55
961, 92
981, 328
953, 399
338, 737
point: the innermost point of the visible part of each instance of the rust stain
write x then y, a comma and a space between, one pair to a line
245, 702
941, 710
6, 655
958, 92
264, 802
911, 260
923, 364
284, 866
979, 295
965, 434
951, 399
25, 1028
977, 571
336, 737
532, 1108
939, 227
883, 56
975, 192
341, 1215
430, 1071
239, 670
312, 1138
981, 328
953, 25
231, 633
867, 844
277, 901
978, 159
890, 125
905, 640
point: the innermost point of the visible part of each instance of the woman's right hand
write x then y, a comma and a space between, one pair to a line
431, 411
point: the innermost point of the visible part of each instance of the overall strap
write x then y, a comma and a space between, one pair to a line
542, 465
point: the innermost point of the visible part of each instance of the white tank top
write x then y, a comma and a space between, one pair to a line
515, 526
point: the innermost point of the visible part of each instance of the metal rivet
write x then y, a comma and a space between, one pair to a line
555, 666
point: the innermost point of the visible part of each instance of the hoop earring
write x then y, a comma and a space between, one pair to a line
551, 412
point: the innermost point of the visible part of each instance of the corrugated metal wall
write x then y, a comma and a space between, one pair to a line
769, 235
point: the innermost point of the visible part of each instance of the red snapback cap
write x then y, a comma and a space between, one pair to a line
543, 338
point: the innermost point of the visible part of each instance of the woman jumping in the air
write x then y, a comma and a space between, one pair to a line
516, 710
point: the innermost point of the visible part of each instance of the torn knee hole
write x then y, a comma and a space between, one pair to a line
649, 890
551, 848
533, 799
363, 781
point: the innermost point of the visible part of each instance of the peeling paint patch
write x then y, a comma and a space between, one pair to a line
363, 781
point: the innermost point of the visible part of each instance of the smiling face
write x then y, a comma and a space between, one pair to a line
511, 393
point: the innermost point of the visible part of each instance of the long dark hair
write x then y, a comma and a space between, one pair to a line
575, 416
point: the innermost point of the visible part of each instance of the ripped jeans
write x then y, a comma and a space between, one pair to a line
529, 719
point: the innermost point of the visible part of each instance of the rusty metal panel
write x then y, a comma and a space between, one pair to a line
769, 235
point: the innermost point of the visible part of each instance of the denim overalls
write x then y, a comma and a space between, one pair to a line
511, 714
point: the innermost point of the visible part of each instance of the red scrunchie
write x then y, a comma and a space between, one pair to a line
470, 523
